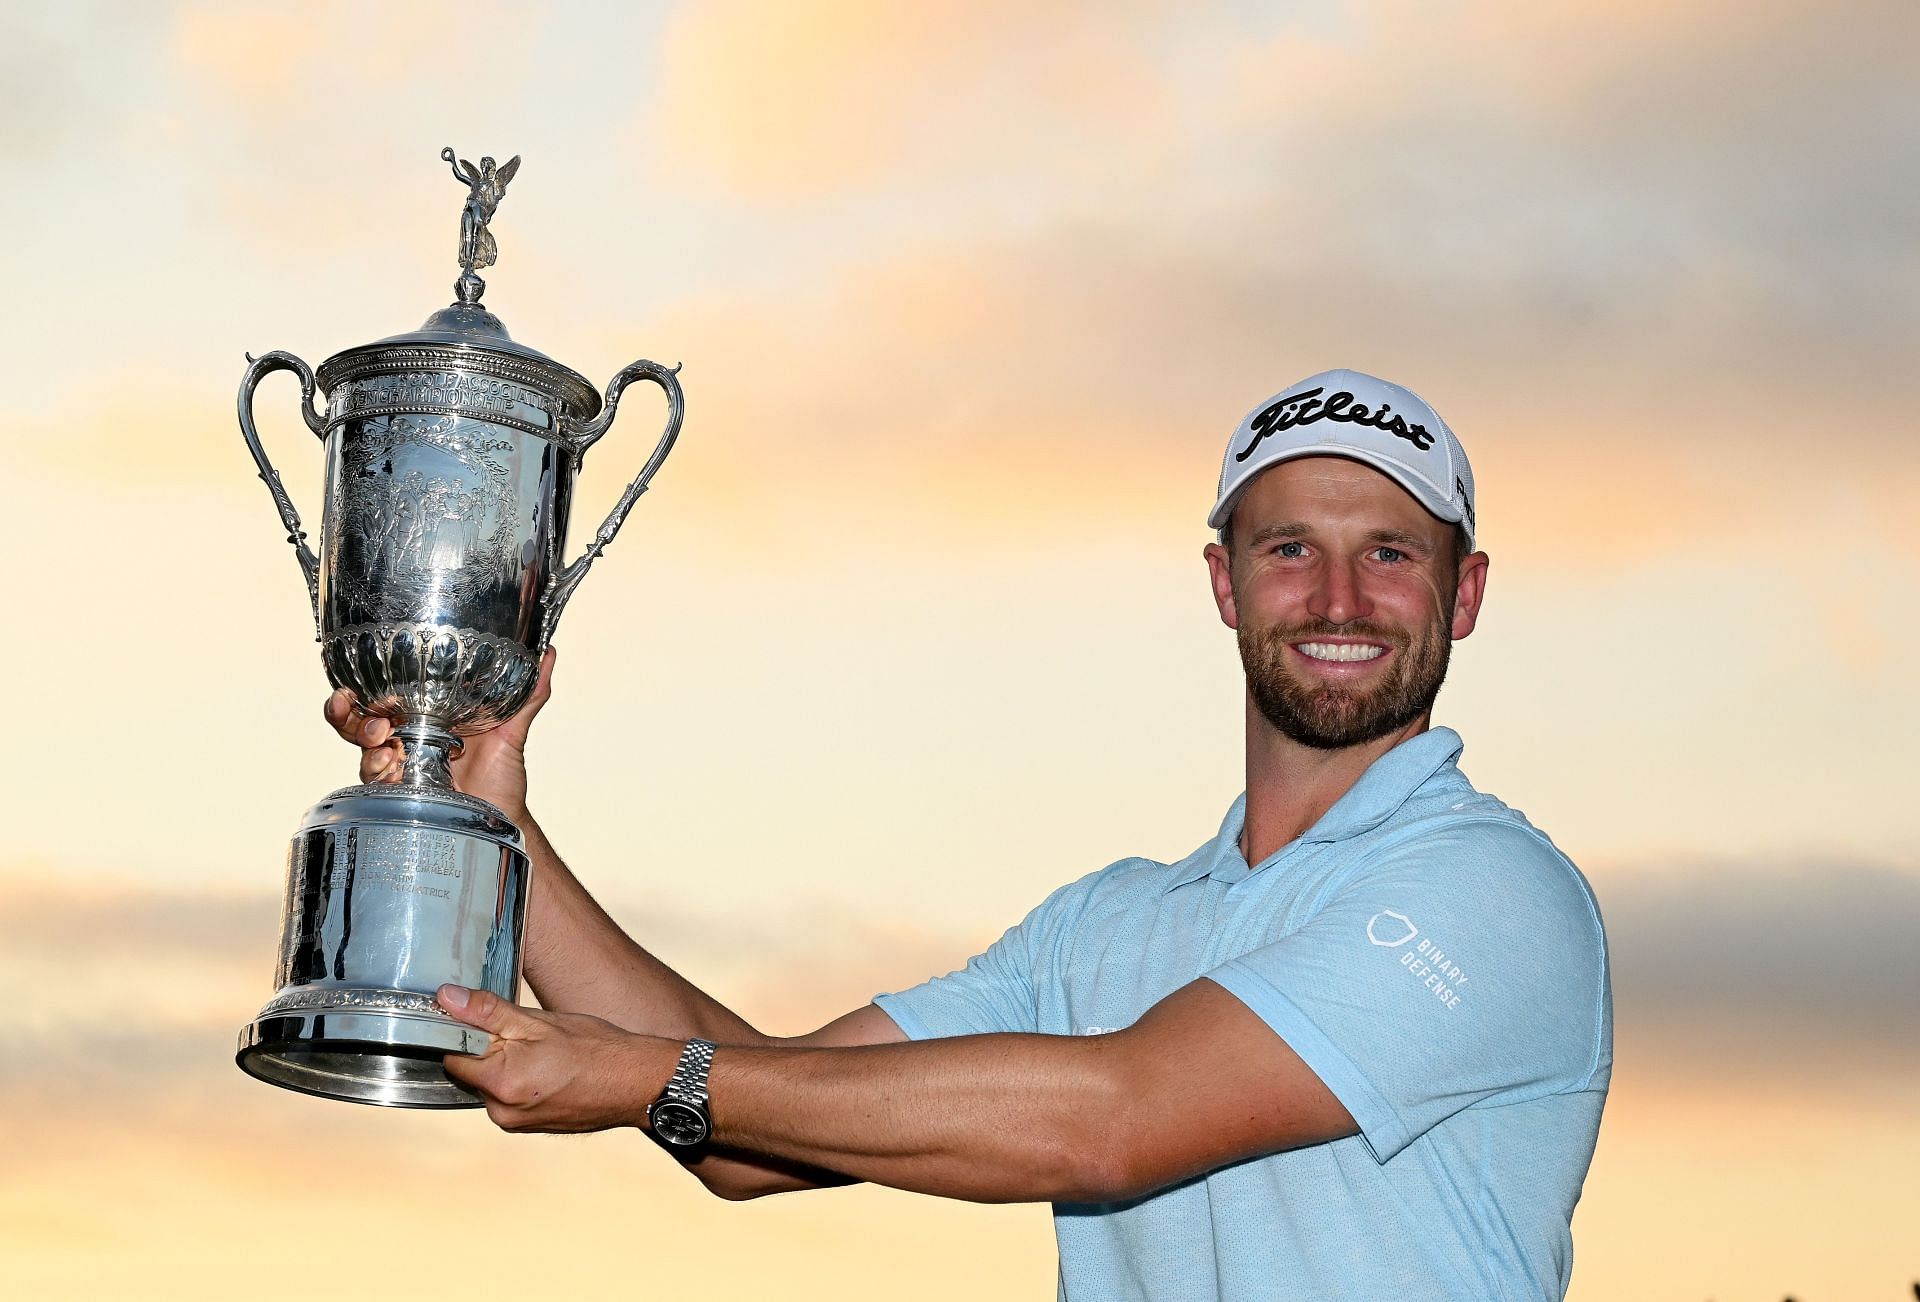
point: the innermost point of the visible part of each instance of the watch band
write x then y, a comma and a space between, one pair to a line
688, 1084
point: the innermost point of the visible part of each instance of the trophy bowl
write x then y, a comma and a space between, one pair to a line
451, 457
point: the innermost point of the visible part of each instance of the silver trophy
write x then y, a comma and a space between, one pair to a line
451, 458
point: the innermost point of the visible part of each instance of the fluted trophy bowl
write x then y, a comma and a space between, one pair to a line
451, 457
450, 475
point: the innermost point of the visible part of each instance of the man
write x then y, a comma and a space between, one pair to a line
1365, 1031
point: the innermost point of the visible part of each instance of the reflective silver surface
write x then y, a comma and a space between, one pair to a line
441, 538
391, 891
451, 457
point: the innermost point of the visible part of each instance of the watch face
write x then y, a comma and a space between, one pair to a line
680, 1124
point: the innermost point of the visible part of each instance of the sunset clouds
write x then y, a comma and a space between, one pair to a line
913, 626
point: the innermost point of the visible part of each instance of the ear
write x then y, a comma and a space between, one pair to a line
1220, 570
1472, 588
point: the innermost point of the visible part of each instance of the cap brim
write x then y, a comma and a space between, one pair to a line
1399, 472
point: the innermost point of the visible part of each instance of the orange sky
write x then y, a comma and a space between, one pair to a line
914, 627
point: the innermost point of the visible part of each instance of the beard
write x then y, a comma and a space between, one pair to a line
1329, 716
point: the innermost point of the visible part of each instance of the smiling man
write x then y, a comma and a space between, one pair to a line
1355, 1046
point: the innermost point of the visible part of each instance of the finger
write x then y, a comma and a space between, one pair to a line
505, 1117
543, 686
474, 1070
522, 720
488, 1011
342, 710
342, 713
382, 763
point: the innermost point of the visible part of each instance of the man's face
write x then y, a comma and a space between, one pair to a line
1345, 597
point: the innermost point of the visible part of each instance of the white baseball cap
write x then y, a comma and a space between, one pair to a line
1354, 415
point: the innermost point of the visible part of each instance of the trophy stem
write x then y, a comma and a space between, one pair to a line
430, 750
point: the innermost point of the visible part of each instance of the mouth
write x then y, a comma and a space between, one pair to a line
1340, 652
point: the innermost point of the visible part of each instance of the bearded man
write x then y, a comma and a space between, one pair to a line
1354, 1046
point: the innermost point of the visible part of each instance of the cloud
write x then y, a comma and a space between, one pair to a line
777, 102
1713, 964
145, 976
137, 922
1771, 976
1578, 244
1607, 165
1481, 179
1134, 356
270, 89
151, 976
60, 83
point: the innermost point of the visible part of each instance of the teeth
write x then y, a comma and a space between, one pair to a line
1340, 650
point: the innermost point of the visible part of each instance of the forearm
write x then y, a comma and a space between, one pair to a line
579, 960
990, 1118
1198, 1081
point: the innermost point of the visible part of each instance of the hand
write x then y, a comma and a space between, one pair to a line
561, 1072
491, 765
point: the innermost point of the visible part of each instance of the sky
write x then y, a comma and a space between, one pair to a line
914, 625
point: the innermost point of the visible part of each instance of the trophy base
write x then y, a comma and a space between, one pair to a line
392, 891
386, 1059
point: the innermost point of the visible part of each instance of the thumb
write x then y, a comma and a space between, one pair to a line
543, 685
486, 1010
521, 723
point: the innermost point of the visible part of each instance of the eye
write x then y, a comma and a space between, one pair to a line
1391, 555
1292, 550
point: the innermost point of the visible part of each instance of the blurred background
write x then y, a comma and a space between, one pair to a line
914, 626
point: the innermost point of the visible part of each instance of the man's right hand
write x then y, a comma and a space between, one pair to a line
492, 764
578, 960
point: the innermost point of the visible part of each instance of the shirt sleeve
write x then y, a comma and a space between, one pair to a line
1465, 966
993, 992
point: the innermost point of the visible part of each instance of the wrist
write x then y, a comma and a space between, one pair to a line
645, 1069
680, 1117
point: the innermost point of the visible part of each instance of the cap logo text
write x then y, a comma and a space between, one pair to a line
1306, 407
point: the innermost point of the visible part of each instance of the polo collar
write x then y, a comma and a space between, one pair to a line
1386, 785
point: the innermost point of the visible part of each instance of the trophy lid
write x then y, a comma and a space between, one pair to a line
464, 336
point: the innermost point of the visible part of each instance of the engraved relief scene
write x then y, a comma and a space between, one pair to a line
429, 522
436, 562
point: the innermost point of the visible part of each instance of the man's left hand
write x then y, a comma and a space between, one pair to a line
557, 1072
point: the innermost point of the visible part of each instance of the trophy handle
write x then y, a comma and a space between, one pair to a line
258, 370
583, 434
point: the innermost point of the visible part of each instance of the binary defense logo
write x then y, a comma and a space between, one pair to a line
1426, 962
1390, 929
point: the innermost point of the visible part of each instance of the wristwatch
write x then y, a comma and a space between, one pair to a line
679, 1117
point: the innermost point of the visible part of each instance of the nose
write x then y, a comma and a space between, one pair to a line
1337, 596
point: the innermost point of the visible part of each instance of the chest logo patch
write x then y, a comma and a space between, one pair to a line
1390, 929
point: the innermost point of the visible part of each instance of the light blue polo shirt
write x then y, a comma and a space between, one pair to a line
1430, 955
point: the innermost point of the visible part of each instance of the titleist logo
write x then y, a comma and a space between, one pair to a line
1306, 407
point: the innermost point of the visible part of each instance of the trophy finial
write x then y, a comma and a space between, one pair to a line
486, 187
